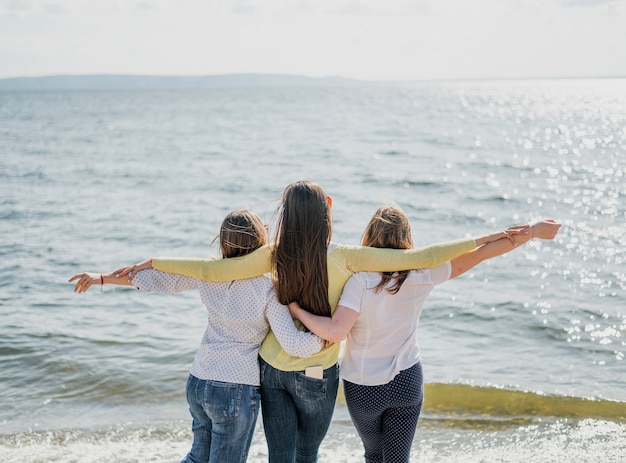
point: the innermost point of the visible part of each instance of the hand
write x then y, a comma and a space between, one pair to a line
85, 281
516, 230
293, 309
508, 234
545, 229
132, 270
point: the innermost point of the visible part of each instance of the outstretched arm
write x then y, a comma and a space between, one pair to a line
131, 270
255, 264
87, 280
363, 258
515, 237
332, 329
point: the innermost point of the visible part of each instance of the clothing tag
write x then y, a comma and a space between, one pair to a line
314, 372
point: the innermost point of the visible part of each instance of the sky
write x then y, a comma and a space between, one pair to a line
362, 39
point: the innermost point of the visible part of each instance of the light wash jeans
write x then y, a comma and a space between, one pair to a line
297, 411
224, 416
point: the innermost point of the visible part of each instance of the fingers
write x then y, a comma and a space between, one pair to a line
521, 230
510, 232
83, 285
132, 272
146, 264
81, 281
546, 229
508, 236
123, 271
85, 280
80, 286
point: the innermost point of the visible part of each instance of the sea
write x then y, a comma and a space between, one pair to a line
523, 356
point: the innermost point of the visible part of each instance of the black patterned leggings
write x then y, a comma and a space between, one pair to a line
386, 416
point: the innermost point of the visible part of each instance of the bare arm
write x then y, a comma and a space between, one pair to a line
496, 236
546, 229
87, 280
332, 329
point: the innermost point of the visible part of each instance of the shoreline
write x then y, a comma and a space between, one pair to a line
436, 440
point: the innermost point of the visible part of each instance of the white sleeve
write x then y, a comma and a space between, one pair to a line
352, 293
441, 273
295, 342
162, 282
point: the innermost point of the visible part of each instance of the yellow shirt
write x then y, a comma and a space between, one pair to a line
343, 261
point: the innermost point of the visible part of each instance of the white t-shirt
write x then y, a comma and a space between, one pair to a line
383, 340
240, 315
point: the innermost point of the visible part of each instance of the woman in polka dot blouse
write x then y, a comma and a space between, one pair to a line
379, 313
223, 389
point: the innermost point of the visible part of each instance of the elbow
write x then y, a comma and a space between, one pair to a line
335, 337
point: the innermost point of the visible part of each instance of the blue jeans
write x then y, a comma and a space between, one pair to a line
297, 411
224, 416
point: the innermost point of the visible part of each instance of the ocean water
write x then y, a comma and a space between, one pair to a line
523, 356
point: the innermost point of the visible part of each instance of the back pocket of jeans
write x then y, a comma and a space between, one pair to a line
310, 388
222, 401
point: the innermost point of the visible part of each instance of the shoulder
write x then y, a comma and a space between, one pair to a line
364, 280
263, 285
344, 251
260, 284
338, 247
435, 275
263, 281
364, 277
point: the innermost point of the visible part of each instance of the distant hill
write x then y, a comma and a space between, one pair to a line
104, 81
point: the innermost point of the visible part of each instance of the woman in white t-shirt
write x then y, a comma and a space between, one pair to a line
379, 313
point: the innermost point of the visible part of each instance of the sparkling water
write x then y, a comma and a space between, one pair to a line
523, 356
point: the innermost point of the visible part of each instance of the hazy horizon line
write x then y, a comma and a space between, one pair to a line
236, 79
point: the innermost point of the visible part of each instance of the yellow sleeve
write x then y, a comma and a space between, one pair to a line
255, 264
362, 258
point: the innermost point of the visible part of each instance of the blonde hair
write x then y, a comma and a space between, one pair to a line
389, 227
241, 232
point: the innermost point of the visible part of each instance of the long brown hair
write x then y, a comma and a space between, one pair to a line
389, 227
242, 232
299, 259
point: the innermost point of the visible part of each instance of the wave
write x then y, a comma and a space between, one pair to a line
467, 402
462, 399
